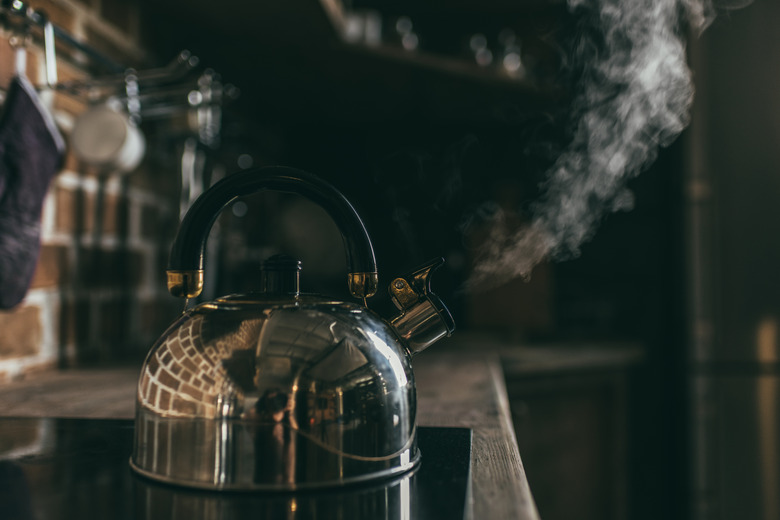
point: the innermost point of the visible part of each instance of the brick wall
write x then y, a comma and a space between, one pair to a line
98, 294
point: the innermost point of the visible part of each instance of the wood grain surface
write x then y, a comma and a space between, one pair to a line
454, 389
467, 390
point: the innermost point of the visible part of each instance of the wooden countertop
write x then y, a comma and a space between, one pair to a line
524, 359
455, 389
467, 390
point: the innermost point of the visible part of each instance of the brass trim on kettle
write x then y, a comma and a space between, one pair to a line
363, 285
185, 284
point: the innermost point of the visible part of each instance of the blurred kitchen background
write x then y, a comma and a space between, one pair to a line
652, 389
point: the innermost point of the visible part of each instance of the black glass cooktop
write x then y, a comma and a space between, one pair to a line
53, 469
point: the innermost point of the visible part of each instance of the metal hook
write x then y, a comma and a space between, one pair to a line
20, 55
182, 65
20, 37
133, 101
49, 50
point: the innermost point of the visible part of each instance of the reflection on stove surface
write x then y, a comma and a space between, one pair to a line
53, 469
389, 500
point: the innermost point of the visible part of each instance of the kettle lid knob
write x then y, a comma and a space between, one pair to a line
280, 274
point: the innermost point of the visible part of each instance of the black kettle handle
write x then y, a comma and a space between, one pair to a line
185, 264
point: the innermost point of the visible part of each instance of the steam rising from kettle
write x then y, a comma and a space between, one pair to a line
634, 98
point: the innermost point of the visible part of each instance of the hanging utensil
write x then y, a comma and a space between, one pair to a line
50, 57
105, 136
50, 61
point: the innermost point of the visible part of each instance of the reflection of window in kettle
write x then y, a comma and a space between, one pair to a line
323, 406
366, 385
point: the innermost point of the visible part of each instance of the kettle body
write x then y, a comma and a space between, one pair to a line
266, 395
282, 390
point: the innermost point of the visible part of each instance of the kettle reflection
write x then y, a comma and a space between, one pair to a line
277, 442
389, 500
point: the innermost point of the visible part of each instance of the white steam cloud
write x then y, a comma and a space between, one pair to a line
633, 98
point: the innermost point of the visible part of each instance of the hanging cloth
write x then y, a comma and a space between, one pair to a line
31, 152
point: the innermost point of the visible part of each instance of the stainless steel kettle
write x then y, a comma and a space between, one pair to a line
280, 390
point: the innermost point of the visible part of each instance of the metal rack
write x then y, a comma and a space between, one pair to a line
151, 93
179, 88
17, 9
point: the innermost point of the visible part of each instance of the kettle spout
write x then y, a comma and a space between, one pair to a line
424, 319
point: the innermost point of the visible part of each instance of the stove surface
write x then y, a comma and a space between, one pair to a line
54, 469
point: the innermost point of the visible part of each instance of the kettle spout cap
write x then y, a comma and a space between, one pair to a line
424, 319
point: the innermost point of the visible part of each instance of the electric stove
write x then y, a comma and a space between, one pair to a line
55, 468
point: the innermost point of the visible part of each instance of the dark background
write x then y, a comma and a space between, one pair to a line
423, 144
